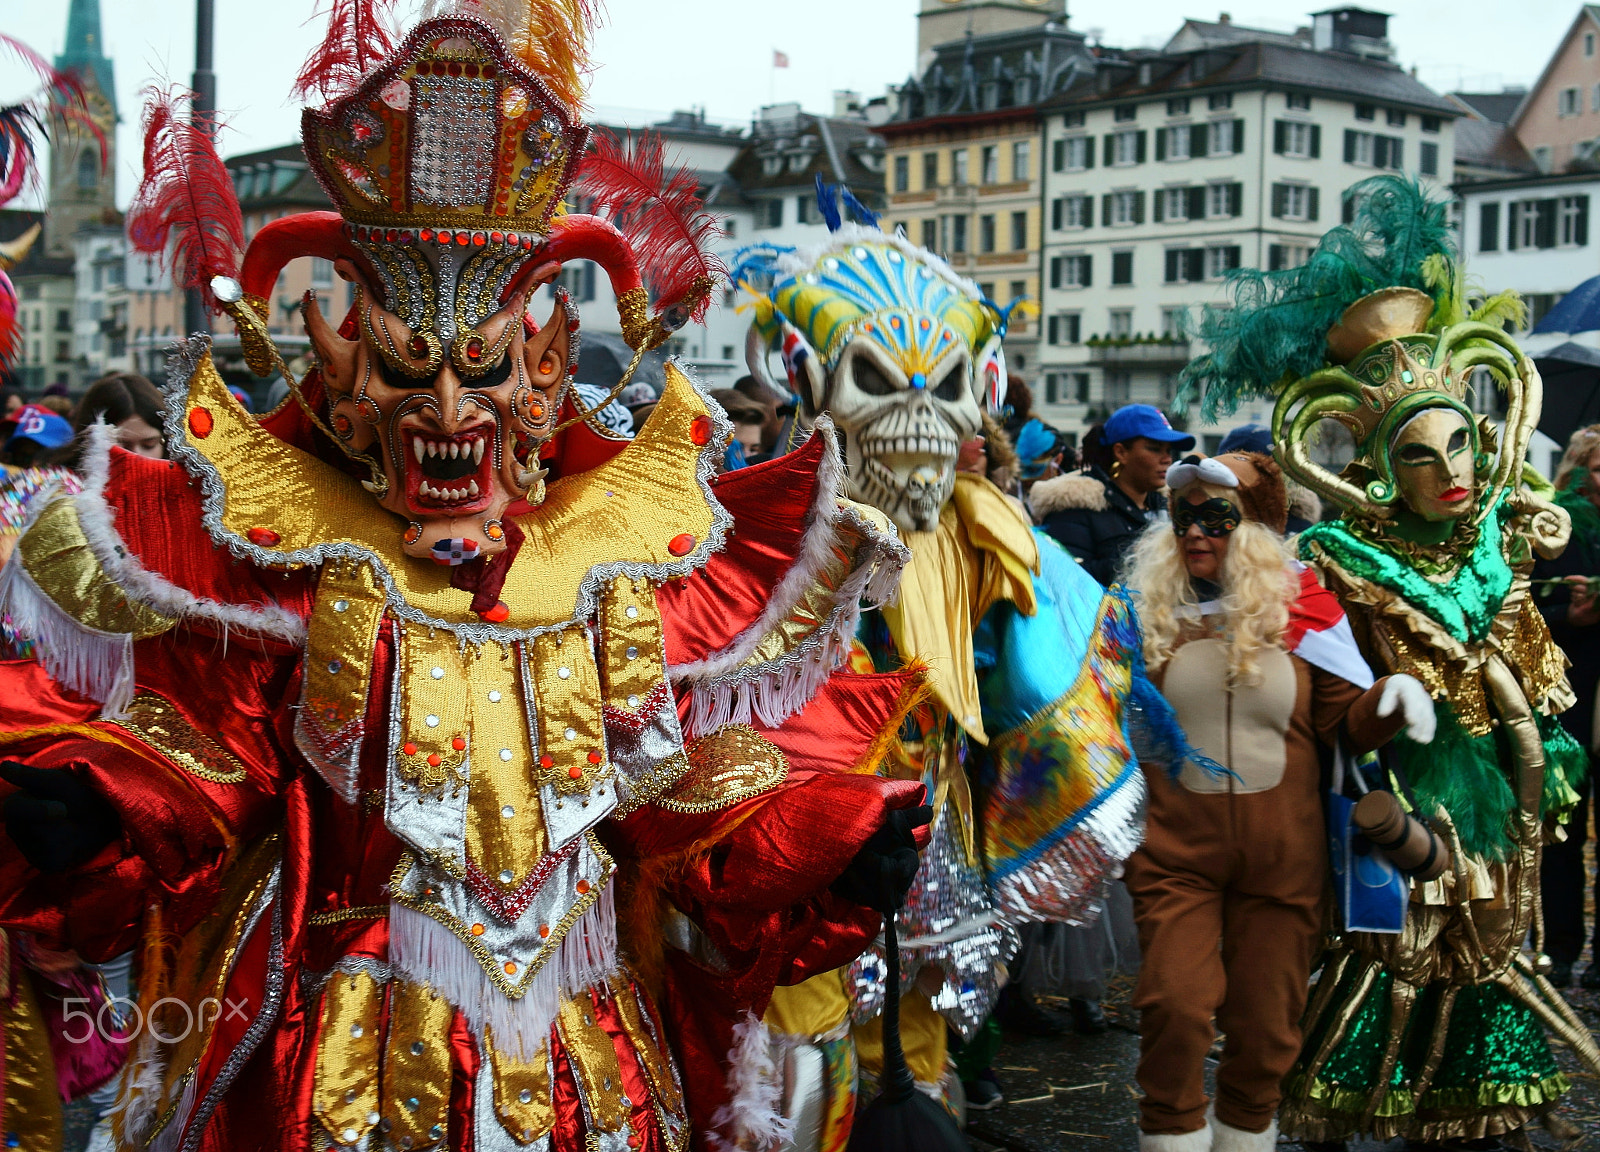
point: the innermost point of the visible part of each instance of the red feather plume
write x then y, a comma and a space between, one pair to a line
186, 197
61, 96
360, 34
662, 216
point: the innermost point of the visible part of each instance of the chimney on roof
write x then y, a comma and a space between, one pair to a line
1353, 31
1224, 18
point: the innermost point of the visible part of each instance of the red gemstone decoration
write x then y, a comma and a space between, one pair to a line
474, 348
496, 614
433, 759
418, 347
463, 238
455, 68
472, 70
425, 235
342, 425
583, 887
575, 772
459, 743
263, 537
409, 748
392, 235
413, 533
497, 237
681, 545
594, 757
511, 239
700, 431
201, 422
479, 239
547, 761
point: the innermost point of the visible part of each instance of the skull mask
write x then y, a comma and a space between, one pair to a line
455, 426
901, 431
884, 336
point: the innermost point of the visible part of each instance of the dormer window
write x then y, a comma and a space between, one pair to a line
772, 165
798, 161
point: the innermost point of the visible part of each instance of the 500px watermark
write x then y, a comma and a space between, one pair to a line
164, 1026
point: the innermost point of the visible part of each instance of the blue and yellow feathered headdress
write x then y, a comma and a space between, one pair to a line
865, 283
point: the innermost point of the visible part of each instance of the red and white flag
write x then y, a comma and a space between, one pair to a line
1319, 633
780, 59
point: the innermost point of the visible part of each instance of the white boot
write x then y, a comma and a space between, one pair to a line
1197, 1141
1227, 1138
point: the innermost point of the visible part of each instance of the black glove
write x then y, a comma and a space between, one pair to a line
880, 874
56, 820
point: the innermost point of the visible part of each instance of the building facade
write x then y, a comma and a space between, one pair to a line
1559, 119
1168, 170
946, 21
965, 168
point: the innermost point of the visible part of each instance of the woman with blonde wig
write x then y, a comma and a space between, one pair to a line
1262, 671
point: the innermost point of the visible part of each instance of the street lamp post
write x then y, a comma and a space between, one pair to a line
202, 116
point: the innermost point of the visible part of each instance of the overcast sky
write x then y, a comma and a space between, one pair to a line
652, 57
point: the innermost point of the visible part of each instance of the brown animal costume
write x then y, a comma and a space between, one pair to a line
1237, 856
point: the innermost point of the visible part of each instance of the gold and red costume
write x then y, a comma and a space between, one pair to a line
420, 853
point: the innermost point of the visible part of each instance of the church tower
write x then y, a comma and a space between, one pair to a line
941, 21
82, 190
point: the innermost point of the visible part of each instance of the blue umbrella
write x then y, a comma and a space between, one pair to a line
1579, 310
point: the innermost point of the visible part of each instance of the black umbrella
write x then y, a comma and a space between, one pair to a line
1579, 310
1571, 374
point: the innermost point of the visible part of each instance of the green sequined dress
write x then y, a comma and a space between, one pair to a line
1438, 1033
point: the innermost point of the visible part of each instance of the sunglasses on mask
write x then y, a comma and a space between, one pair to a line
1216, 517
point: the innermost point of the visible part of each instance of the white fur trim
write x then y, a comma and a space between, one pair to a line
752, 1120
1227, 1138
428, 953
724, 690
138, 1094
90, 662
1075, 490
1197, 1141
149, 588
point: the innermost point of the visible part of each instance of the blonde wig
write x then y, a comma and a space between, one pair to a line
1257, 588
1584, 441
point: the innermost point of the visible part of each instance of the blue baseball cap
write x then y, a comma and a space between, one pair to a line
40, 425
1247, 438
1135, 420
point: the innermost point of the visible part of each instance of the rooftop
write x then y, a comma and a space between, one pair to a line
1004, 70
1499, 107
1224, 33
789, 148
1260, 64
275, 178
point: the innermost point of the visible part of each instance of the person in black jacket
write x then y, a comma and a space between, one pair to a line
1098, 514
1572, 610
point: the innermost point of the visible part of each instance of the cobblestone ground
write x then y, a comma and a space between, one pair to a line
1078, 1093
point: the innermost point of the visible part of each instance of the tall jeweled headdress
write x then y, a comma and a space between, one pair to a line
1371, 330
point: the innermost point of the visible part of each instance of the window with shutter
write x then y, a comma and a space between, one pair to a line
1235, 199
1238, 136
1195, 209
1138, 207
1122, 267
1278, 194
1350, 146
1056, 270
1544, 234
1105, 210
1161, 143
1058, 214
1316, 141
1428, 159
1159, 212
1110, 149
1276, 259
1053, 330
1312, 197
1058, 156
1174, 266
1280, 136
1489, 227
1139, 150
1194, 264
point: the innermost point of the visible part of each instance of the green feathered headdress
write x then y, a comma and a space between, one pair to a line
1277, 328
1373, 329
